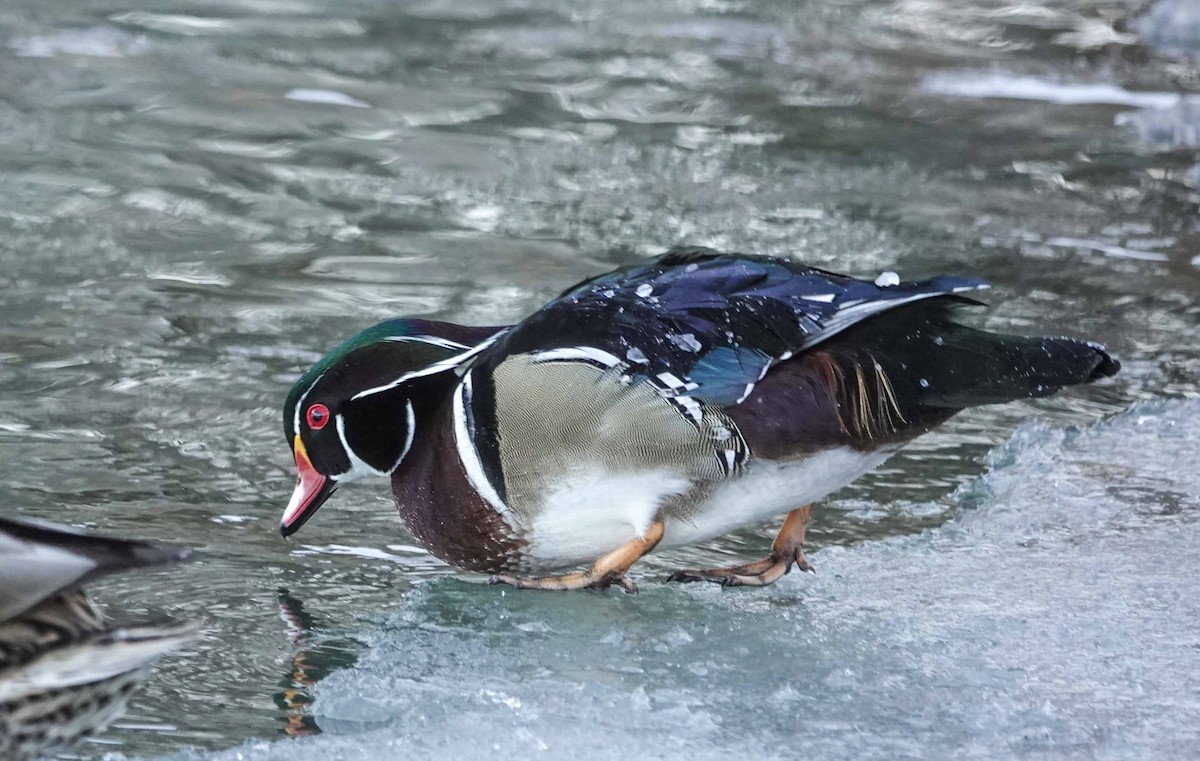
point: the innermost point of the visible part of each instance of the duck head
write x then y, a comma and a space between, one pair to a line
355, 412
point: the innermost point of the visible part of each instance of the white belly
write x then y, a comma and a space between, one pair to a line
590, 513
768, 489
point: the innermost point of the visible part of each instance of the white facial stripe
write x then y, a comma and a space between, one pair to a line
436, 367
467, 453
300, 403
433, 369
358, 468
432, 340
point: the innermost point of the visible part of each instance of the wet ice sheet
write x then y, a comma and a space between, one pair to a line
1054, 617
1172, 25
179, 240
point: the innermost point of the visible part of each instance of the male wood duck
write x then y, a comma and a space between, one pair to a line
657, 405
66, 670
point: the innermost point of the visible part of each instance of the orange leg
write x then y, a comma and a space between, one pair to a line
786, 549
608, 570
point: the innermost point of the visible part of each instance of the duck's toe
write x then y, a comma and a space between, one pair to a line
759, 573
568, 581
614, 578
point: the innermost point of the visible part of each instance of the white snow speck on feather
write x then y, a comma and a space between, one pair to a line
644, 290
686, 341
887, 279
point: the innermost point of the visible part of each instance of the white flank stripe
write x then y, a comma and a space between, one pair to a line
412, 433
467, 453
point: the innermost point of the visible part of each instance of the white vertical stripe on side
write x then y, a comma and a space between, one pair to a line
467, 453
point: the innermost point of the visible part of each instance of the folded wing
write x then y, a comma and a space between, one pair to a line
708, 326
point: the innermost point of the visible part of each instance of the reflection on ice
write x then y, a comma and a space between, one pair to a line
1054, 617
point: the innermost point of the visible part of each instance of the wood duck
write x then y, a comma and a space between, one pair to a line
66, 671
657, 405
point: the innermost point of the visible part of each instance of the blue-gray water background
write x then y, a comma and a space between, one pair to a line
198, 198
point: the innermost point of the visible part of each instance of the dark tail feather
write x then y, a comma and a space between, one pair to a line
935, 366
972, 367
1108, 366
989, 368
896, 375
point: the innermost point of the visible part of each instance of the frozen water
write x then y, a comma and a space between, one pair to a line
1172, 25
179, 239
1177, 127
1054, 617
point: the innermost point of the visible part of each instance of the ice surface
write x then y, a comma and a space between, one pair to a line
1177, 127
1172, 26
1054, 617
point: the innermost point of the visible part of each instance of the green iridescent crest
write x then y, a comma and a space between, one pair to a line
390, 329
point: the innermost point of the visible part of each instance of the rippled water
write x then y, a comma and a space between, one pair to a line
199, 199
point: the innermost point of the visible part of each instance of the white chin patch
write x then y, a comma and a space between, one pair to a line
358, 469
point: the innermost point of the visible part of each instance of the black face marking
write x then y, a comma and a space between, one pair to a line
377, 427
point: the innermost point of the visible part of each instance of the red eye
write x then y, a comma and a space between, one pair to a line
318, 416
